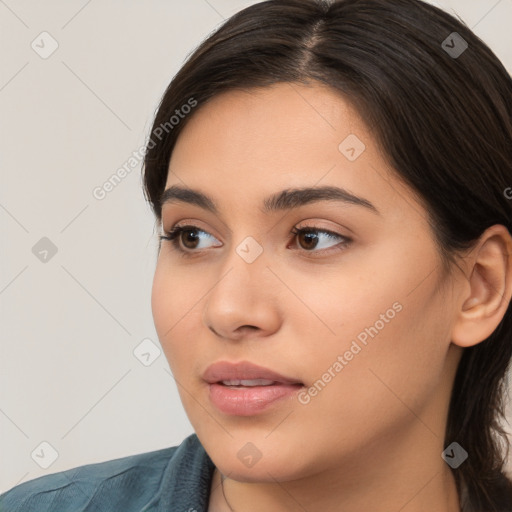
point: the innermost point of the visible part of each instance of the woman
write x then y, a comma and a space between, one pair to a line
333, 284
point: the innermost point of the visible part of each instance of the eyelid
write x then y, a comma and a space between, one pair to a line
189, 225
175, 232
342, 244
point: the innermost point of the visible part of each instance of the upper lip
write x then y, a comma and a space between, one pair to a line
224, 370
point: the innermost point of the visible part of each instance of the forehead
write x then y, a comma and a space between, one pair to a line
274, 124
256, 142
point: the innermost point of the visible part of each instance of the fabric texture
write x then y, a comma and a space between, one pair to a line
175, 479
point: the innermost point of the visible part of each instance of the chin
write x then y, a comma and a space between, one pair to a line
266, 469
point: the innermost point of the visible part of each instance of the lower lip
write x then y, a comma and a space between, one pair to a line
249, 400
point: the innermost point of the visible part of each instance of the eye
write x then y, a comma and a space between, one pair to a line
311, 238
190, 241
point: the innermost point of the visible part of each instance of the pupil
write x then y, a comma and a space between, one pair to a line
311, 237
190, 238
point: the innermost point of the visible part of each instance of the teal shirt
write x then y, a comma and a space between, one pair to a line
175, 479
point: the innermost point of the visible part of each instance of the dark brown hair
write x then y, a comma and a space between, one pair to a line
444, 122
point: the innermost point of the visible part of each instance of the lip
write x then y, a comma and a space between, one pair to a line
247, 401
224, 370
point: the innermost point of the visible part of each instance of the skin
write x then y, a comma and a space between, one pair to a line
372, 438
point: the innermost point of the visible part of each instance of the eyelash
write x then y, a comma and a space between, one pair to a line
174, 234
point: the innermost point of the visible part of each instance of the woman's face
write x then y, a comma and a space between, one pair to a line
352, 309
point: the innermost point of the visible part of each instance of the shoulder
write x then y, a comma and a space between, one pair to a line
134, 483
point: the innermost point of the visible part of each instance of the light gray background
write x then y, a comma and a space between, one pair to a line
67, 123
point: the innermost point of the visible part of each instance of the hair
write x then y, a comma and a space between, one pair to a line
444, 122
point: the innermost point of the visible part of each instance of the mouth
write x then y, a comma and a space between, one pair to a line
250, 383
245, 374
246, 389
240, 400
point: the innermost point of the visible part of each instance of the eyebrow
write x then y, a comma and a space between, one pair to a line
285, 200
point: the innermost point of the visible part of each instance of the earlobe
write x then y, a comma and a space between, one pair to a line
490, 288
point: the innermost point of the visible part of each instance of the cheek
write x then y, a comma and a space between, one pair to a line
391, 334
392, 346
176, 307
338, 307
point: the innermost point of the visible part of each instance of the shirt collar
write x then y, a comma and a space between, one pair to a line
187, 479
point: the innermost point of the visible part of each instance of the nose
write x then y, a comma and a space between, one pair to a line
243, 303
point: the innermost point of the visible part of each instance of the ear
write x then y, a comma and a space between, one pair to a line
487, 290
